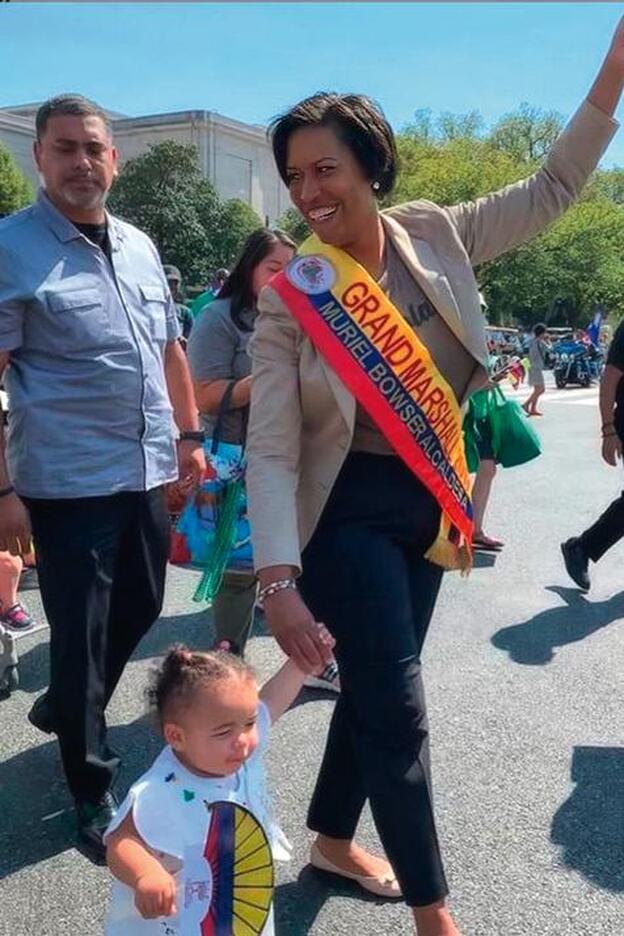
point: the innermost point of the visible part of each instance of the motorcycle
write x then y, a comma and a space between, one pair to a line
576, 363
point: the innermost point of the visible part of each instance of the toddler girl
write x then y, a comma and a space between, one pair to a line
192, 845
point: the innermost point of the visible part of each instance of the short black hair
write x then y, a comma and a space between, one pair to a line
360, 124
74, 105
539, 329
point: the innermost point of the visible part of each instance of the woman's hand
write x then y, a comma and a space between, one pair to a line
192, 464
607, 88
154, 895
307, 642
615, 55
611, 449
15, 530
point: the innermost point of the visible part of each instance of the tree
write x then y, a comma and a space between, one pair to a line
452, 171
295, 225
561, 275
235, 223
528, 133
564, 273
165, 194
610, 184
446, 126
15, 190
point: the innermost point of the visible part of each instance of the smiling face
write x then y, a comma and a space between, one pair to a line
328, 186
78, 162
217, 732
279, 256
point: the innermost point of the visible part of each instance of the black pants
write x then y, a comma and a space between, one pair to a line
365, 577
101, 563
605, 532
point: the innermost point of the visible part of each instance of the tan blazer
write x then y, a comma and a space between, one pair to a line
302, 416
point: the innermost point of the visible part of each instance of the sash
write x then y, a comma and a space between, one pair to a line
384, 364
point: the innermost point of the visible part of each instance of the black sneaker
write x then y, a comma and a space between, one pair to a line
41, 716
576, 562
93, 821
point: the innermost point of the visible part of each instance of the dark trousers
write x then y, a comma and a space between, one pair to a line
101, 563
365, 577
605, 532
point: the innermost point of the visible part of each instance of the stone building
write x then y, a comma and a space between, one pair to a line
234, 156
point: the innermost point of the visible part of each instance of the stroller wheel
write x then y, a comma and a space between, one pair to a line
10, 680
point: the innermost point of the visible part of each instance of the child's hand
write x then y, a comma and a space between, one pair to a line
154, 895
328, 641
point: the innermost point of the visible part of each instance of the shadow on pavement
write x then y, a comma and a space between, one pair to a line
39, 822
298, 903
533, 642
483, 560
590, 824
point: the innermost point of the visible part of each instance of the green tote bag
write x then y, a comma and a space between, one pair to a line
514, 439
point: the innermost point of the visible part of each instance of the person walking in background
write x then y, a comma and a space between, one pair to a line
538, 350
200, 302
369, 341
478, 415
218, 358
185, 319
90, 332
608, 530
13, 614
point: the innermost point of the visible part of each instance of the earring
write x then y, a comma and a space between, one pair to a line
376, 186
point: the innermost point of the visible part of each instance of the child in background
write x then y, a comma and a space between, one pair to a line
194, 840
13, 614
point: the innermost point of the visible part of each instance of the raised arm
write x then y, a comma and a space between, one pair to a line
606, 90
502, 220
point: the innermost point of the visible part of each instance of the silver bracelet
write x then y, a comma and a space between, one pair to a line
273, 588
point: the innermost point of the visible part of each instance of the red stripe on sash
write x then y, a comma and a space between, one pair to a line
360, 385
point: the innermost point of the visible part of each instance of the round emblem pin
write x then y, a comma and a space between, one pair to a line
311, 273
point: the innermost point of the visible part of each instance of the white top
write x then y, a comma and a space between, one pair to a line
217, 838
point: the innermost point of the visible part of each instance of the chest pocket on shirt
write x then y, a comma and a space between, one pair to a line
155, 300
79, 318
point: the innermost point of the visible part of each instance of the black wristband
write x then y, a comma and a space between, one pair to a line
4, 492
195, 436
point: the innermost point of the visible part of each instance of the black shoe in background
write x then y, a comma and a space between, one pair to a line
576, 562
41, 715
93, 821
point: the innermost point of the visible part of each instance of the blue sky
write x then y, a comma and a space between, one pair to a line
249, 61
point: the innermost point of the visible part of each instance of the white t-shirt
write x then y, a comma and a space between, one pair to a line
215, 836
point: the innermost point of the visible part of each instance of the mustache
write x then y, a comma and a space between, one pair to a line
83, 177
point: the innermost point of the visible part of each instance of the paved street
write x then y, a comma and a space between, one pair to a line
526, 700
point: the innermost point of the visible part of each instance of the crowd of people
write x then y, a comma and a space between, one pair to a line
341, 367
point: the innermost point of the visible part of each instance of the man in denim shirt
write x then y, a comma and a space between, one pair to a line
95, 378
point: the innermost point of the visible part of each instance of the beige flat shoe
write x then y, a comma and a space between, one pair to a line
386, 886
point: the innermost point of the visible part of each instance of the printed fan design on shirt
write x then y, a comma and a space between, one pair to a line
243, 878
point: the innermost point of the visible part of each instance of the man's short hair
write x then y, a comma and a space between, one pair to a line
73, 105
